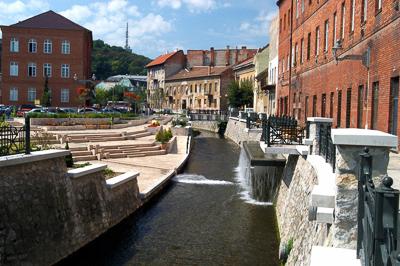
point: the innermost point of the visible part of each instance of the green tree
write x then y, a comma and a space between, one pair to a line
102, 96
46, 101
240, 94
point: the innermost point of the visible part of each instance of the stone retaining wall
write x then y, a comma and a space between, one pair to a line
71, 121
205, 125
292, 205
237, 132
45, 215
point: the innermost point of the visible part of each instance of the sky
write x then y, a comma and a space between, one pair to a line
159, 26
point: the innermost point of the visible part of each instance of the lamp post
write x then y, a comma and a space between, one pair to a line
365, 58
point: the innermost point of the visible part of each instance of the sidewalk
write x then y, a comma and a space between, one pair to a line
394, 169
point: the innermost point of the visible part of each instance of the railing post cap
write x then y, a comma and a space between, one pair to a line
387, 182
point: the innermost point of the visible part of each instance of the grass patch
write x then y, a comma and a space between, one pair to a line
80, 165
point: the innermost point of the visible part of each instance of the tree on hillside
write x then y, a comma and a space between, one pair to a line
113, 60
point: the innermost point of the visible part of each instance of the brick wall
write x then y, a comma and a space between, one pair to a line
79, 60
320, 74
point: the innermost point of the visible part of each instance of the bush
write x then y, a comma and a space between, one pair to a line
75, 115
163, 136
181, 121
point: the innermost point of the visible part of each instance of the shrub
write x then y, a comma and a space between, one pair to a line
181, 121
68, 159
163, 136
154, 123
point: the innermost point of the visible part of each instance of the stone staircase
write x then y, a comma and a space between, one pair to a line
99, 152
104, 137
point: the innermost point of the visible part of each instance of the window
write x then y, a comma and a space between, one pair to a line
339, 110
216, 86
306, 108
323, 105
14, 69
317, 41
31, 70
64, 95
348, 108
296, 50
331, 104
375, 105
14, 45
314, 106
47, 47
297, 8
284, 22
13, 94
47, 70
326, 37
343, 20
364, 10
378, 4
32, 46
31, 94
283, 65
288, 63
302, 6
334, 29
65, 71
309, 46
360, 106
289, 18
352, 15
65, 47
301, 51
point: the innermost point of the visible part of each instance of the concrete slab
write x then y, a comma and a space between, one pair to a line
320, 119
325, 215
363, 137
257, 157
323, 196
329, 256
283, 149
87, 170
121, 179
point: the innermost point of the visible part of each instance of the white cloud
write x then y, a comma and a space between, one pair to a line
77, 13
18, 7
259, 26
192, 5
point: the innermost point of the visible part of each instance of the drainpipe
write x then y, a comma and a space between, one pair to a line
290, 108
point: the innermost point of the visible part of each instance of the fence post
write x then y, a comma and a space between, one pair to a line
267, 137
364, 174
27, 135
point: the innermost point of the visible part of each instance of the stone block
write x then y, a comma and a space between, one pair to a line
363, 137
323, 197
329, 256
325, 215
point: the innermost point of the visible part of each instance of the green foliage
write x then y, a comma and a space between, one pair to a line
68, 159
181, 121
45, 101
240, 94
113, 60
102, 96
81, 165
108, 173
163, 136
82, 115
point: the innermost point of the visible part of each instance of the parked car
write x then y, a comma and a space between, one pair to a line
54, 110
22, 109
36, 110
87, 110
69, 110
110, 111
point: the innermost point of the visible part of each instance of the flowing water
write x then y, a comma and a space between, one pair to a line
205, 217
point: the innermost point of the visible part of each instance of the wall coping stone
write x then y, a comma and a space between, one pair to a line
121, 179
363, 137
17, 159
87, 170
320, 119
330, 256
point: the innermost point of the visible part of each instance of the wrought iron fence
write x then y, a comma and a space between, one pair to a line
208, 115
378, 210
15, 140
282, 130
326, 147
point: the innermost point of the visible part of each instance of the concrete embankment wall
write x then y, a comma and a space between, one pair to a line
205, 125
237, 132
293, 201
45, 214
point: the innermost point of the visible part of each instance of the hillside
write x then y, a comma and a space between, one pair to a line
113, 60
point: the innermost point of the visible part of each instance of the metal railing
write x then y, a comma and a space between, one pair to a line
15, 140
282, 130
208, 115
378, 210
326, 147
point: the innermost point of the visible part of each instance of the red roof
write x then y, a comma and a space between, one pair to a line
161, 59
199, 71
49, 20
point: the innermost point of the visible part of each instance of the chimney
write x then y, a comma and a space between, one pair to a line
212, 56
236, 56
227, 56
244, 47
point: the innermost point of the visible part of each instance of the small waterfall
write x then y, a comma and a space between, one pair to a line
259, 183
199, 180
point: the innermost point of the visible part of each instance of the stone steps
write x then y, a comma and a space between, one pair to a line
85, 158
141, 135
135, 132
149, 153
81, 153
78, 149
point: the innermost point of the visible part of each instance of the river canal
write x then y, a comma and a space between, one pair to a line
200, 219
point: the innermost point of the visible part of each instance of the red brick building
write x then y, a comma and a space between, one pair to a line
46, 44
313, 83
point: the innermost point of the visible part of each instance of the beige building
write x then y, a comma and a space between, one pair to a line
158, 70
200, 88
245, 71
261, 94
